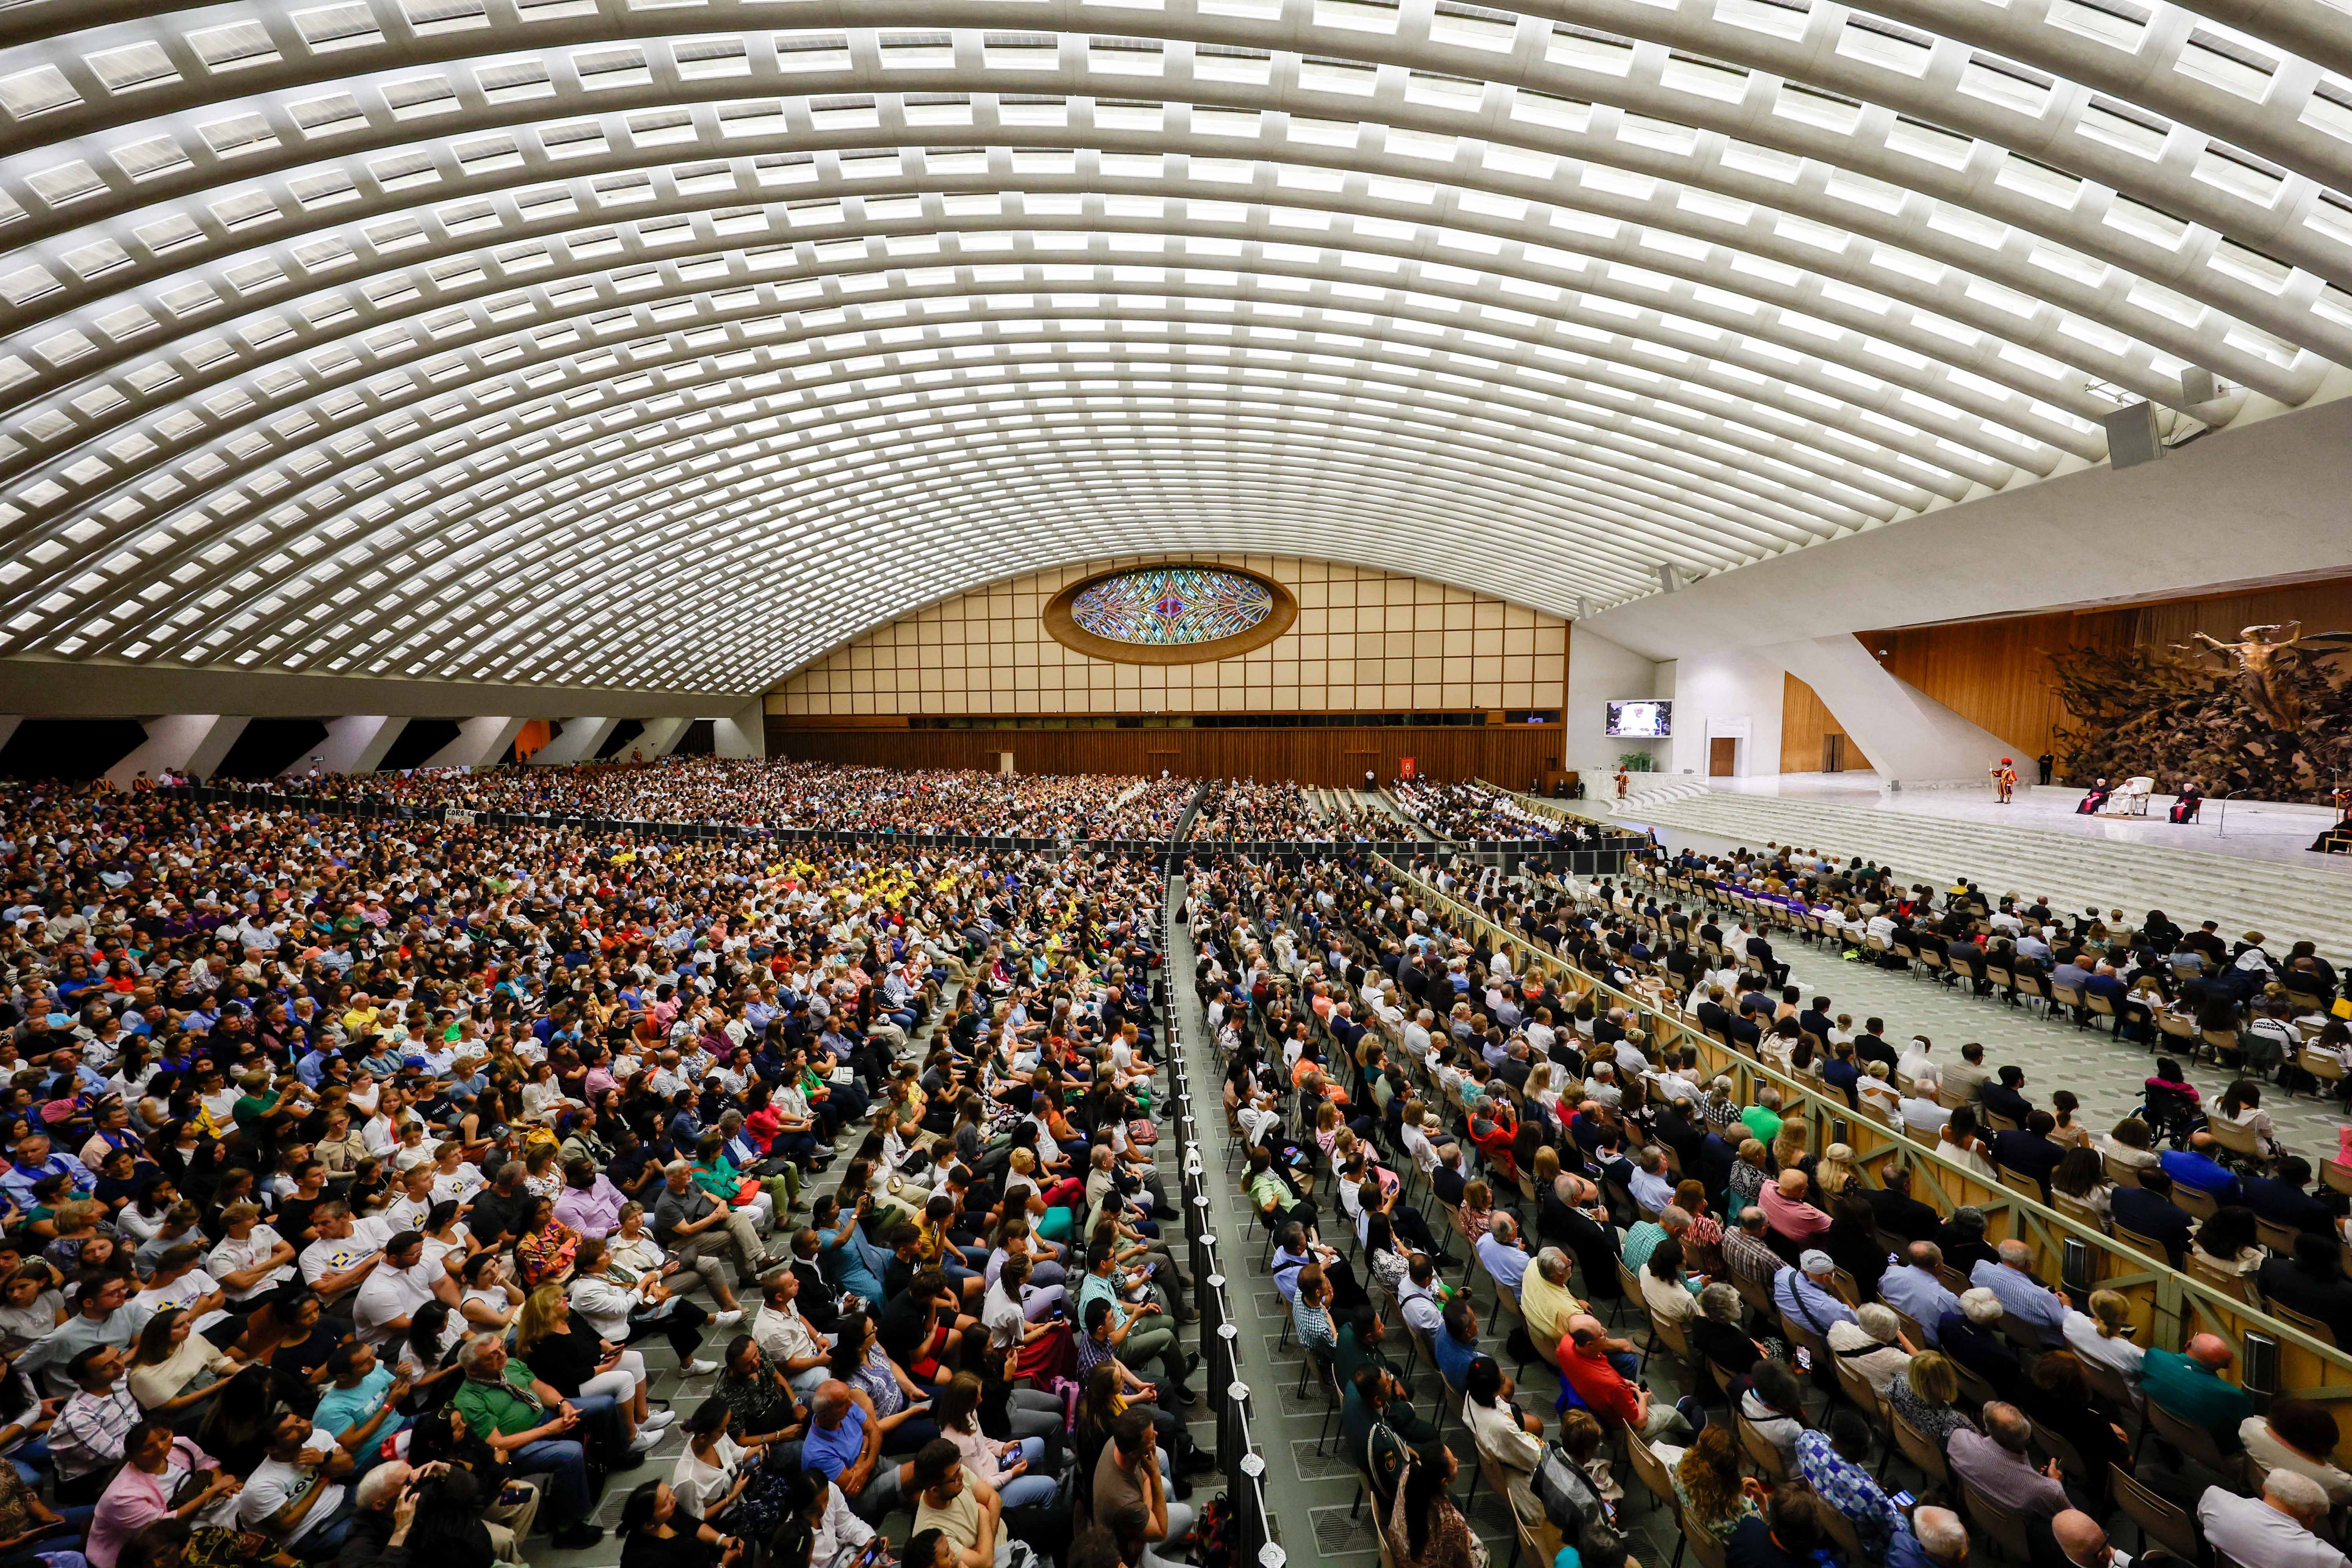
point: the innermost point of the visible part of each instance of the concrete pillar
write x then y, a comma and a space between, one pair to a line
1905, 733
578, 743
8, 722
480, 742
660, 736
195, 742
356, 743
744, 732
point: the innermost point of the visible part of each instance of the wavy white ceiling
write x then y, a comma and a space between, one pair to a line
673, 343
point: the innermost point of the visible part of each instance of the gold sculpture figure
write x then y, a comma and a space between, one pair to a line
2261, 663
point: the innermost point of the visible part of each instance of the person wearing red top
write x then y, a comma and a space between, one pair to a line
1492, 1128
1613, 1400
1788, 1213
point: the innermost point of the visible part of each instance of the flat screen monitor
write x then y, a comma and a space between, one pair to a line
1642, 719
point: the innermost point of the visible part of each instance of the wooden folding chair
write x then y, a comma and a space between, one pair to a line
2191, 1439
2034, 988
2195, 1202
2217, 1277
1974, 1390
2312, 1326
2005, 1525
1759, 1449
1650, 1469
2279, 1239
1673, 1338
1539, 1540
1705, 1547
1915, 1446
1630, 1288
1507, 1301
2242, 1141
1840, 1529
1859, 1392
2018, 1182
2078, 1210
2322, 1065
2161, 1521
2147, 1243
2055, 1446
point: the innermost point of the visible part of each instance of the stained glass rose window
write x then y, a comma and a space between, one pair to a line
1171, 607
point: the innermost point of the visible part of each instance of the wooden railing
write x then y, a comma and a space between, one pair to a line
2167, 1306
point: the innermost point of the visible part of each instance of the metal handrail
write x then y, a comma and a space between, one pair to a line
2214, 1305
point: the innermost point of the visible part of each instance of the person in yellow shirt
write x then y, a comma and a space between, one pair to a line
1545, 1299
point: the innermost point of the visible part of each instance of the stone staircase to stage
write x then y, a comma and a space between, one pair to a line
2285, 903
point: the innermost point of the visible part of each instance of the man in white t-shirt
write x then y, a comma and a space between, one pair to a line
250, 1259
178, 1282
390, 1296
346, 1252
294, 1495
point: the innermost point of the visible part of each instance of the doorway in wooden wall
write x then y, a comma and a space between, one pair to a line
1832, 753
1722, 756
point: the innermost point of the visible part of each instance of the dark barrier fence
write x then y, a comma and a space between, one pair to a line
1582, 862
1223, 1389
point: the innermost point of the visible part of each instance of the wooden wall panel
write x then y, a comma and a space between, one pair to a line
1517, 755
2320, 606
1996, 673
1805, 720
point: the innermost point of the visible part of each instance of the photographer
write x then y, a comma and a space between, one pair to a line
656, 1532
434, 1510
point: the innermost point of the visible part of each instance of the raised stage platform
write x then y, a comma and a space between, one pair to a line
2246, 864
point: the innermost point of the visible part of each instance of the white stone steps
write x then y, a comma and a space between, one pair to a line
2284, 903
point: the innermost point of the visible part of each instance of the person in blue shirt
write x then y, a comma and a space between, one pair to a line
2022, 1295
34, 1161
1456, 1344
311, 1066
1805, 1295
845, 1446
850, 1262
1917, 1291
2196, 1167
360, 1409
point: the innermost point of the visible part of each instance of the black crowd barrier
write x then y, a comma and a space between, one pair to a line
1224, 1390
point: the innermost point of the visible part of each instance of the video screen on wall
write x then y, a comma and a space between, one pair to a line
1642, 719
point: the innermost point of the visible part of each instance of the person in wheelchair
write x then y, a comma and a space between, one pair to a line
2170, 1108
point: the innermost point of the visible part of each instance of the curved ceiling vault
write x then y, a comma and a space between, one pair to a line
671, 343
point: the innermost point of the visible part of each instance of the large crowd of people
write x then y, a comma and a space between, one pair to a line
1472, 813
1250, 812
364, 1173
2266, 1017
751, 794
361, 1167
1411, 1087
